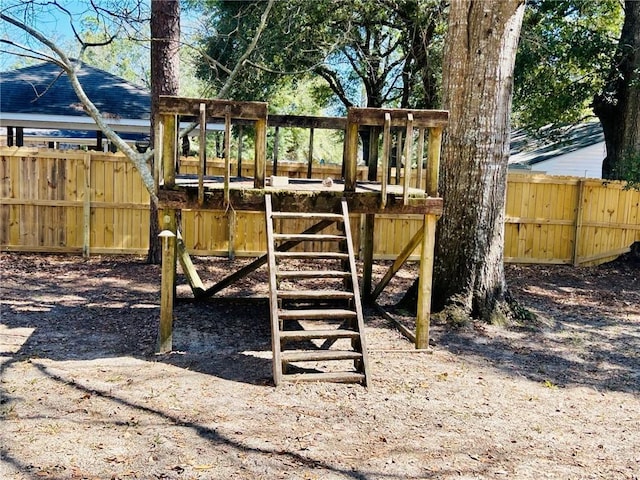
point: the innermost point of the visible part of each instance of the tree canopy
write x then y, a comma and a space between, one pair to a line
369, 53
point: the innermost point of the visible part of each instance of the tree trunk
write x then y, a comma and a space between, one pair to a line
165, 67
478, 79
618, 106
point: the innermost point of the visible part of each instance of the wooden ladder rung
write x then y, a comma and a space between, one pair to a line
293, 335
313, 255
338, 377
308, 237
319, 355
308, 215
316, 314
315, 294
312, 274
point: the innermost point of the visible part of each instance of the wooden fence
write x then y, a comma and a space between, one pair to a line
69, 201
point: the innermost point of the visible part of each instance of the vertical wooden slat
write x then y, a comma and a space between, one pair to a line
386, 154
399, 149
433, 161
310, 155
578, 223
260, 152
420, 159
408, 153
202, 154
276, 145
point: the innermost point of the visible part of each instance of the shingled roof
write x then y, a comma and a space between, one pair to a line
46, 90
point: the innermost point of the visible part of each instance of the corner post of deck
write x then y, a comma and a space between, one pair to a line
425, 282
350, 159
168, 224
260, 152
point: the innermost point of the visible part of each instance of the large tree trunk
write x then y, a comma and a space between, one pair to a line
618, 107
478, 78
165, 67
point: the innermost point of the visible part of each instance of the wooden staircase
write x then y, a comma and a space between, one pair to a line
317, 326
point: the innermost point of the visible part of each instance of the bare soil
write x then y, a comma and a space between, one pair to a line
83, 396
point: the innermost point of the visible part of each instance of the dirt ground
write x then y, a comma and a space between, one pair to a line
83, 396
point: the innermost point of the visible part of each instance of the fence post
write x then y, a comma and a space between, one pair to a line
578, 223
86, 207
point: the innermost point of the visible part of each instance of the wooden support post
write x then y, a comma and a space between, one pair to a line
157, 150
169, 151
425, 282
310, 155
433, 160
408, 153
420, 159
367, 255
386, 156
240, 134
227, 156
202, 164
86, 207
276, 142
260, 153
10, 137
350, 160
398, 262
167, 288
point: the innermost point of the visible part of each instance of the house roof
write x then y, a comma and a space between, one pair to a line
44, 89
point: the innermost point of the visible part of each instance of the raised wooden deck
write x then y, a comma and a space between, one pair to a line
307, 195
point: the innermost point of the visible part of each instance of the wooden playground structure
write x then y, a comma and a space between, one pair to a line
311, 326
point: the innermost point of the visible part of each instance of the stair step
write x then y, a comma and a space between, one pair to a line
338, 377
309, 215
315, 294
313, 255
312, 274
308, 237
318, 355
316, 314
317, 334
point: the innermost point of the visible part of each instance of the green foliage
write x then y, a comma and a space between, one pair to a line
368, 52
563, 59
628, 169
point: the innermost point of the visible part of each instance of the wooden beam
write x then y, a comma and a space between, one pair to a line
306, 121
398, 262
189, 270
227, 156
422, 118
425, 282
577, 231
215, 108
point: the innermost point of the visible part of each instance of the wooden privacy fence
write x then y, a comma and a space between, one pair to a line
69, 201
